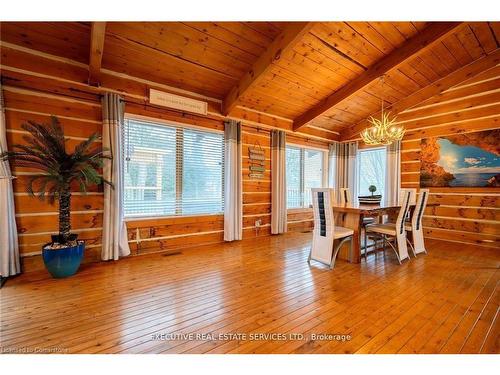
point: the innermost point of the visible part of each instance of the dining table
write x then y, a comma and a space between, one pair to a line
350, 215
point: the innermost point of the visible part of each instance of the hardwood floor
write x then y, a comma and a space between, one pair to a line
443, 302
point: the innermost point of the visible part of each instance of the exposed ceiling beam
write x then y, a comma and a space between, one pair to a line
413, 47
96, 49
285, 41
436, 88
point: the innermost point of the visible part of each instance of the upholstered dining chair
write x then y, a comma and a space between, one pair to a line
415, 226
325, 232
394, 232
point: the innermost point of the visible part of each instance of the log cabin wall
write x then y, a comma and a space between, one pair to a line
36, 219
38, 85
257, 192
465, 215
46, 69
157, 234
302, 219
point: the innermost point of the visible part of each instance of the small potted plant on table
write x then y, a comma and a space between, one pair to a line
45, 151
371, 199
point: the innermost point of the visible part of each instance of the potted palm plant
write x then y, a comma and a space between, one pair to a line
45, 151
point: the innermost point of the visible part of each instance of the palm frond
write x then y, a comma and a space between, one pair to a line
45, 151
36, 145
43, 188
82, 148
47, 135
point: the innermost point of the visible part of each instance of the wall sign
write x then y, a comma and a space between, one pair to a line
182, 103
257, 161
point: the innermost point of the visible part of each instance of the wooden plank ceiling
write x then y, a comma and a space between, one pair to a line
282, 69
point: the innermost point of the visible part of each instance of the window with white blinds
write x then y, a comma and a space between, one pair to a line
304, 170
172, 170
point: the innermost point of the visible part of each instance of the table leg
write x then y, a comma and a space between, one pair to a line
352, 221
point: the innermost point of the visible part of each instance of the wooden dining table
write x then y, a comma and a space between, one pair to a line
351, 216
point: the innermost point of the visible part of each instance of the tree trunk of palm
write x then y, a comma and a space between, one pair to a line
64, 215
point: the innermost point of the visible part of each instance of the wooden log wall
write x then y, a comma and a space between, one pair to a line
173, 233
302, 219
465, 215
36, 219
39, 85
257, 192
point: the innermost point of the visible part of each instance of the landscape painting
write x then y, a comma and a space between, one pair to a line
461, 160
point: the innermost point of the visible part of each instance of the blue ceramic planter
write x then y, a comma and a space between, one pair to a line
63, 262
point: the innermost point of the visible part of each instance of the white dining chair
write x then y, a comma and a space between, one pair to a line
394, 232
413, 195
415, 226
346, 198
325, 232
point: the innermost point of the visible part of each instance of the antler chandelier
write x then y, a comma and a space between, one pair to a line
383, 131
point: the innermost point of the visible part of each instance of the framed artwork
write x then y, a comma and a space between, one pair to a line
461, 160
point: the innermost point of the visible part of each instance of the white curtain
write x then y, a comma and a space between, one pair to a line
393, 172
278, 182
332, 164
114, 231
346, 167
233, 208
9, 247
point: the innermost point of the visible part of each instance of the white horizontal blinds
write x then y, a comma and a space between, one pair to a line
150, 179
304, 170
171, 170
202, 172
293, 177
313, 173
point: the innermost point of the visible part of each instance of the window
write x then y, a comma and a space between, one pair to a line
304, 170
371, 170
171, 170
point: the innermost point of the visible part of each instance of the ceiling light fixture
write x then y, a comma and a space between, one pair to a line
382, 131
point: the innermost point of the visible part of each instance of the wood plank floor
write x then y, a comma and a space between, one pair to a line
443, 302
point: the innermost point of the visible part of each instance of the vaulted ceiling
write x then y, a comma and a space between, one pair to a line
318, 74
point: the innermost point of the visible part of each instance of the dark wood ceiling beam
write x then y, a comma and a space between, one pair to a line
412, 48
97, 35
284, 42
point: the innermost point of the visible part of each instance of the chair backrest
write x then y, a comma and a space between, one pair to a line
322, 209
345, 196
413, 195
323, 236
403, 212
418, 213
